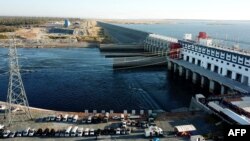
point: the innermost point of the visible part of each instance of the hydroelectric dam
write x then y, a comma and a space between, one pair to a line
219, 69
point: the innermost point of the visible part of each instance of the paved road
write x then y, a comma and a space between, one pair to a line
124, 35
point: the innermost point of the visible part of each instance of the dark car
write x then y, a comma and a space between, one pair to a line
45, 132
52, 132
98, 132
39, 132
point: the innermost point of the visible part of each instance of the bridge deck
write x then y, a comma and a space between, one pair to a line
213, 76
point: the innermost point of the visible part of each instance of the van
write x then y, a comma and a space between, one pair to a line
79, 132
70, 118
67, 132
65, 118
86, 132
106, 117
91, 132
122, 117
89, 119
73, 131
75, 118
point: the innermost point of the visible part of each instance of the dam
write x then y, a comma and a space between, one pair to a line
182, 56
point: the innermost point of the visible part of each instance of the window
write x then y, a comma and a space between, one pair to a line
207, 57
239, 67
233, 65
246, 69
216, 60
212, 58
221, 61
227, 63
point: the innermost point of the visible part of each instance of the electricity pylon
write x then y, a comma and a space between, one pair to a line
17, 102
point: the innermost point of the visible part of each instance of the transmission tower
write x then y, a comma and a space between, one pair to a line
17, 102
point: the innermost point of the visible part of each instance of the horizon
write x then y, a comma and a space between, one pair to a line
130, 9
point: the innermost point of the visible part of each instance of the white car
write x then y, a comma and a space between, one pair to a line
91, 132
31, 132
118, 131
86, 132
12, 134
26, 132
19, 134
6, 133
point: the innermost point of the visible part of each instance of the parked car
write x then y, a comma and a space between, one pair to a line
84, 120
79, 132
70, 118
19, 134
118, 131
26, 132
128, 130
123, 131
57, 133
89, 119
52, 117
52, 132
45, 132
39, 132
12, 134
124, 124
31, 132
59, 117
98, 132
6, 133
62, 133
86, 132
92, 132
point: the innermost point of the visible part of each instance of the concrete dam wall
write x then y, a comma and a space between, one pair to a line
123, 35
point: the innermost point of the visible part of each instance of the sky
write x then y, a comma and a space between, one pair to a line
129, 9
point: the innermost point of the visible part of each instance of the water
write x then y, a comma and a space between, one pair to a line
74, 79
237, 31
82, 78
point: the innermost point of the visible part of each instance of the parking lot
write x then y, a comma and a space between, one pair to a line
166, 121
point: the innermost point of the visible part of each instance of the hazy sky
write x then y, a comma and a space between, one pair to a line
130, 9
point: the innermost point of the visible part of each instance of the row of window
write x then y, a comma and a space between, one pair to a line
217, 54
233, 65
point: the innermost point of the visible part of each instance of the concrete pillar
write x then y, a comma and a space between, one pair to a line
133, 112
169, 65
141, 112
194, 77
86, 111
125, 112
224, 71
190, 59
222, 90
149, 112
211, 86
212, 67
111, 111
196, 62
175, 68
180, 71
187, 74
202, 81
233, 75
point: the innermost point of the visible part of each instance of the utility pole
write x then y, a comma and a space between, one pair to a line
17, 102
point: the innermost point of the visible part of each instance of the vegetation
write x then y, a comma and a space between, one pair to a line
3, 36
58, 37
7, 29
25, 21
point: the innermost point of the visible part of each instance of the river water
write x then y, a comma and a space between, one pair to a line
74, 79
